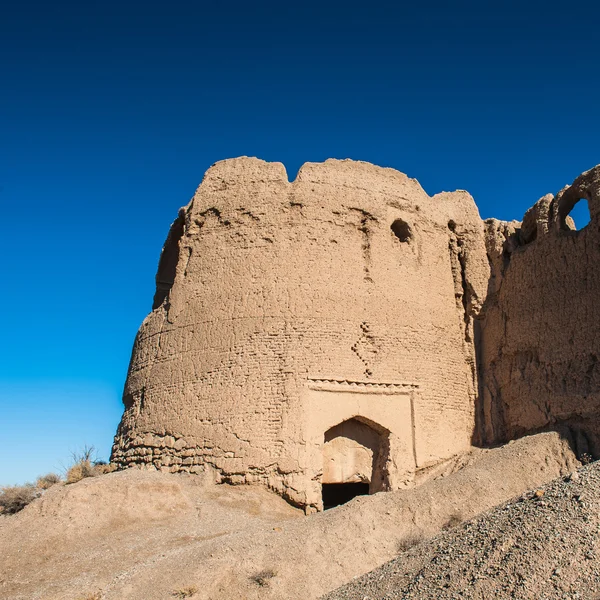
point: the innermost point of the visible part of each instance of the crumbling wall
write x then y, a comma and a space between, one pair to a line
283, 309
541, 331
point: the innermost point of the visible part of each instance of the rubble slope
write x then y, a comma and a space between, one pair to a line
542, 544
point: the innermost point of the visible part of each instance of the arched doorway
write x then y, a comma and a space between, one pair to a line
355, 454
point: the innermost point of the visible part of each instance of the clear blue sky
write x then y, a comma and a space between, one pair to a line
111, 112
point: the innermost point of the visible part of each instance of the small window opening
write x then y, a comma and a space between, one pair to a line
401, 229
580, 215
336, 494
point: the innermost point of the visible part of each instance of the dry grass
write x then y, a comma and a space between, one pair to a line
264, 577
80, 471
84, 465
14, 498
186, 592
410, 540
104, 468
85, 468
47, 481
456, 518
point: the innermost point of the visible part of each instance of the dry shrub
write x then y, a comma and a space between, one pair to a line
104, 468
186, 592
410, 540
92, 596
84, 466
264, 577
47, 481
14, 498
456, 518
80, 471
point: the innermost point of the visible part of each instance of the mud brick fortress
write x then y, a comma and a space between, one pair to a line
346, 333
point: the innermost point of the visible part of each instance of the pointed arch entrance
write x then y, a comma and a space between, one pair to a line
355, 455
358, 433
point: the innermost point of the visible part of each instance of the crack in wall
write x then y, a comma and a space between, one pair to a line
367, 220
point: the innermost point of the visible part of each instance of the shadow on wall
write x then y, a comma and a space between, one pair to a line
167, 264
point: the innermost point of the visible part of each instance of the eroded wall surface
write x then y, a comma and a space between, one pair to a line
541, 332
350, 288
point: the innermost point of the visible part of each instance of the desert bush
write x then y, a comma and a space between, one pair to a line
264, 577
186, 592
86, 454
80, 471
47, 481
14, 498
84, 465
103, 468
410, 540
456, 518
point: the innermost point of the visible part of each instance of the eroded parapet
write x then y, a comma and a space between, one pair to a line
536, 220
541, 329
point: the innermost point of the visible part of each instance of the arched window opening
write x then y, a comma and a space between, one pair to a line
354, 459
402, 230
573, 208
579, 215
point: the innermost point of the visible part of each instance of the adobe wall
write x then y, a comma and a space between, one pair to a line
541, 332
284, 309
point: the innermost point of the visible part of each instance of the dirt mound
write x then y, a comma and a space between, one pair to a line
142, 536
79, 539
543, 544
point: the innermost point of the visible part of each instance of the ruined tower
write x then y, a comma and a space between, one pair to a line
309, 335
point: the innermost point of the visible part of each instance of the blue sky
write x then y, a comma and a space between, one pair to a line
111, 112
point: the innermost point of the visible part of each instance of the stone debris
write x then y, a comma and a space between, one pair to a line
545, 550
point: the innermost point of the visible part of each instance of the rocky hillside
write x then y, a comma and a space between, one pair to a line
543, 544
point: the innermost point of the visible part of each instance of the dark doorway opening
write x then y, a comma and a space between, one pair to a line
335, 494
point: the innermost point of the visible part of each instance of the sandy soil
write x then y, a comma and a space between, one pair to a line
137, 535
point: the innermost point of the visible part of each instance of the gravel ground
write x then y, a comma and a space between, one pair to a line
542, 545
